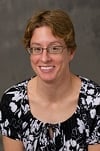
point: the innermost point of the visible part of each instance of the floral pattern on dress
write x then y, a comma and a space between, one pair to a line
74, 134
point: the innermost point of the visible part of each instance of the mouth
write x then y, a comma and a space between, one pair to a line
46, 68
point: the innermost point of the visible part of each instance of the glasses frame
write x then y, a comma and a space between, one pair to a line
47, 49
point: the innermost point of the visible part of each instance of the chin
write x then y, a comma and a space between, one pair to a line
47, 79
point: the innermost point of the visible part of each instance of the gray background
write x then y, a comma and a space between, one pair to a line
14, 61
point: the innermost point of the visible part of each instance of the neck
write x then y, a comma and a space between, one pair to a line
54, 91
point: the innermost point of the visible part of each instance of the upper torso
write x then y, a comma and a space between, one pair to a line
73, 134
49, 105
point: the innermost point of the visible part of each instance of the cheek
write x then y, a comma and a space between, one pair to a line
58, 60
34, 63
65, 61
33, 60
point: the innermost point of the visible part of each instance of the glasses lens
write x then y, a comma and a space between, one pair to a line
35, 50
55, 49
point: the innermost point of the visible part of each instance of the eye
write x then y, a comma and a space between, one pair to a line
55, 49
36, 50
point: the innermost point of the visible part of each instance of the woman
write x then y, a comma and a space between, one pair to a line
54, 110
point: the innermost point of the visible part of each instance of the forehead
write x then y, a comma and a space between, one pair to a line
42, 31
44, 35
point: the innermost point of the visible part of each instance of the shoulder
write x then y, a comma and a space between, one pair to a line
11, 110
14, 94
89, 83
90, 91
90, 87
12, 102
17, 87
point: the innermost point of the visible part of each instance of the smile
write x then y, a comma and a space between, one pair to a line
46, 68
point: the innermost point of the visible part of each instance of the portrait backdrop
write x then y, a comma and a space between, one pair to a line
14, 60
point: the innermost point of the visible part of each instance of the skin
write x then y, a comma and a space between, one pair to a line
12, 145
53, 73
59, 63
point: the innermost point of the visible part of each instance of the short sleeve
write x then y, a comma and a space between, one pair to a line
10, 124
94, 123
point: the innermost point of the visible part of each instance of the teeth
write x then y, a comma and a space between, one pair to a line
46, 68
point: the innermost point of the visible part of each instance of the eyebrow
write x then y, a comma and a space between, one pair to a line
51, 43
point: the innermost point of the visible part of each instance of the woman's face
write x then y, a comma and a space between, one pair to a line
49, 67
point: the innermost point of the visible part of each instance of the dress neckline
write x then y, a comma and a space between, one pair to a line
58, 123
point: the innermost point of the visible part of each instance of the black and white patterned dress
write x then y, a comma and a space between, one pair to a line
74, 134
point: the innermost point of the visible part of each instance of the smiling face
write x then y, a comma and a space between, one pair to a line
49, 67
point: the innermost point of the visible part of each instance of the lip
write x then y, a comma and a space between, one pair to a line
46, 69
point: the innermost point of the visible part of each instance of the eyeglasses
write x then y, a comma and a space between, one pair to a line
36, 50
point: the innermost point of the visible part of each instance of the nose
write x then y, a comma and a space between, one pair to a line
45, 56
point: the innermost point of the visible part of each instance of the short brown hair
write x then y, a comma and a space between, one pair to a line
59, 22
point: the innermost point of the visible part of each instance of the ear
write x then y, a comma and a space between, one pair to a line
71, 53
